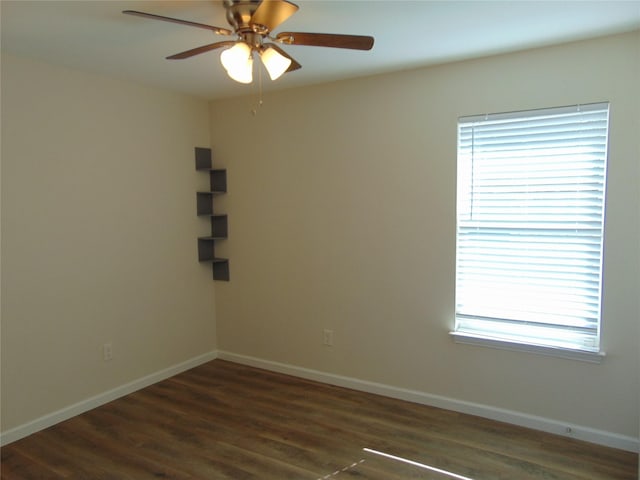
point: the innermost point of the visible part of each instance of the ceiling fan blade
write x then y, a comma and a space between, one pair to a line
202, 49
271, 13
294, 65
354, 42
218, 30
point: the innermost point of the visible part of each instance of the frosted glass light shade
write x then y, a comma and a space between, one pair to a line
275, 63
238, 63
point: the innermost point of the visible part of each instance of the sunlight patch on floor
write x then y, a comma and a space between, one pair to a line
417, 464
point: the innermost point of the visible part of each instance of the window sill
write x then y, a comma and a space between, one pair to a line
477, 340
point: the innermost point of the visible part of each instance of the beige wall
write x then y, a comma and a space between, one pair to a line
342, 215
98, 236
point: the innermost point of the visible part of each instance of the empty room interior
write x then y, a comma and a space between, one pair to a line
316, 281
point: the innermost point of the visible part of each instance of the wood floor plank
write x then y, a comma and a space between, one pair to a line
365, 424
16, 465
231, 422
442, 424
475, 433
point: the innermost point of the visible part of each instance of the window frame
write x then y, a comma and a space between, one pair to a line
530, 345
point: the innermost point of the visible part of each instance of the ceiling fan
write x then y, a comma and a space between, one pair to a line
252, 23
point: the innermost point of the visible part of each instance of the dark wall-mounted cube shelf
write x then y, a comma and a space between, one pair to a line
205, 207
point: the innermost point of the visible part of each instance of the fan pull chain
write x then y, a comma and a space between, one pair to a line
254, 110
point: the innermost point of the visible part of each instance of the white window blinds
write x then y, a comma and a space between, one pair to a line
531, 190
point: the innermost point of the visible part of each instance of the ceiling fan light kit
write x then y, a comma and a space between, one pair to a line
238, 62
275, 63
252, 22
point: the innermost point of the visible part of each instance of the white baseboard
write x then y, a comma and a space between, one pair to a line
85, 405
579, 432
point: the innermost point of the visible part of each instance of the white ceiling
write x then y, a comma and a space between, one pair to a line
95, 36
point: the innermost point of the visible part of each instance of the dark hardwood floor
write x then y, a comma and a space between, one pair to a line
227, 421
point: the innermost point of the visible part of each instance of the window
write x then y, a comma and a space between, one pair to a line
531, 194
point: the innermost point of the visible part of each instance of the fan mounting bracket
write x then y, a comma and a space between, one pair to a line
239, 13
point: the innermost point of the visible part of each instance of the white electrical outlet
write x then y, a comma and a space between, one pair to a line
328, 338
107, 352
